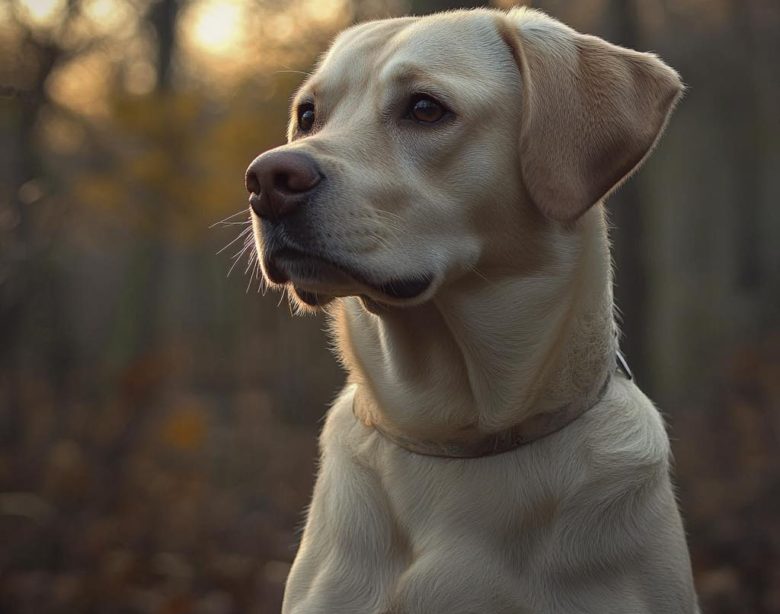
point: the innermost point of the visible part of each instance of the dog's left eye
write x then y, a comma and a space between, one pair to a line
306, 117
425, 109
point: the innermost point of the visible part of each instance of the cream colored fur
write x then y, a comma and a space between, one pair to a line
502, 206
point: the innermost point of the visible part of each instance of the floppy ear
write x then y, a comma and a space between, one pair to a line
592, 111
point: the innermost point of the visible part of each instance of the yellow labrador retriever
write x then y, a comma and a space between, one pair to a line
441, 198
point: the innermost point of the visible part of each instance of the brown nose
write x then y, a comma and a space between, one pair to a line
278, 182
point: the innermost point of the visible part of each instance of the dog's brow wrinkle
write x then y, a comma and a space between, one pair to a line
395, 68
307, 93
404, 72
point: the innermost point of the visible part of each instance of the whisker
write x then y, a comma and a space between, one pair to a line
256, 275
389, 214
381, 240
291, 71
474, 270
262, 286
293, 305
240, 235
395, 234
244, 211
389, 222
250, 262
237, 258
234, 223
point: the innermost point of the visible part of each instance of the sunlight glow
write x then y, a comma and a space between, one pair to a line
217, 26
281, 26
108, 13
42, 12
226, 40
324, 11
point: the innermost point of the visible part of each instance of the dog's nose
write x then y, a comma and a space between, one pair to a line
278, 182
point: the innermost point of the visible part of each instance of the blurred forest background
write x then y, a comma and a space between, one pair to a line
158, 419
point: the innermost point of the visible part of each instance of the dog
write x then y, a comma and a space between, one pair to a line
441, 199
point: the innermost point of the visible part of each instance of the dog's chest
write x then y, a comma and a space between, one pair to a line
415, 537
532, 531
460, 577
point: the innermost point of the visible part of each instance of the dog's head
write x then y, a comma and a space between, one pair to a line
423, 148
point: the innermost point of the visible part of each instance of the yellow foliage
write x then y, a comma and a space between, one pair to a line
186, 428
175, 162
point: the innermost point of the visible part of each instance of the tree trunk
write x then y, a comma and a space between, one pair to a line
627, 213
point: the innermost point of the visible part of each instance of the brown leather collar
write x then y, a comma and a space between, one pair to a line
533, 429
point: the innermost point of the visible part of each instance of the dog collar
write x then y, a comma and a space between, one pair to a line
533, 429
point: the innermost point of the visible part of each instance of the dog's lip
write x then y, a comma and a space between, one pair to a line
310, 272
315, 277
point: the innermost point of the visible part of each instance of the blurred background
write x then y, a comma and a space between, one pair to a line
158, 417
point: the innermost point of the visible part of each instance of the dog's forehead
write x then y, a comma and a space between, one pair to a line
441, 44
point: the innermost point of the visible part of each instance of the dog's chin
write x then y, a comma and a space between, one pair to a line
311, 300
316, 281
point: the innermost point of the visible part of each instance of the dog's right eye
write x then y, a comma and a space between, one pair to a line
306, 117
426, 110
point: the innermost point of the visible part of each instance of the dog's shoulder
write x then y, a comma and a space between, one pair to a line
618, 459
626, 429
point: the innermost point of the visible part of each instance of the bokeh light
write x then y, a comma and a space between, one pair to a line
218, 26
42, 12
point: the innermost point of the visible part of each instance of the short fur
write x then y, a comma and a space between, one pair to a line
501, 207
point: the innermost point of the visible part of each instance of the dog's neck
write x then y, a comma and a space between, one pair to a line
488, 352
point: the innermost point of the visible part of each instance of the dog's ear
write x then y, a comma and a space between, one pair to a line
591, 111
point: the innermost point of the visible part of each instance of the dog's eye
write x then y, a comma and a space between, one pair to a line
306, 117
425, 109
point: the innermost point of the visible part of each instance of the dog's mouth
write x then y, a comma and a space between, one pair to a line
317, 279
